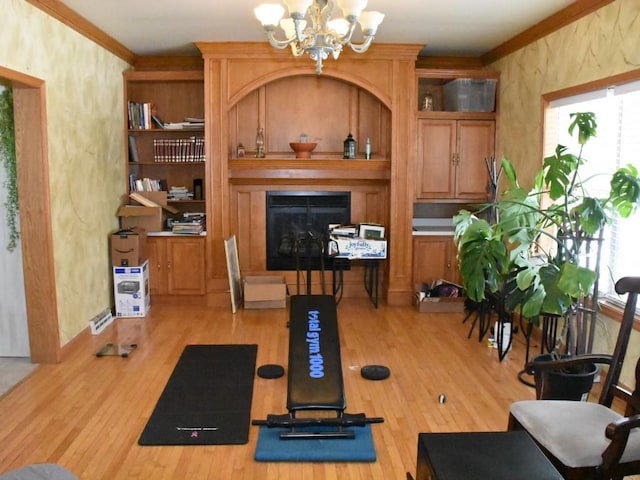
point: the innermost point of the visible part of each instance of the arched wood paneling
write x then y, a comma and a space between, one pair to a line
235, 72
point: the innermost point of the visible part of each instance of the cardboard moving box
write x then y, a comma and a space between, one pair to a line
146, 218
149, 216
441, 304
265, 292
128, 247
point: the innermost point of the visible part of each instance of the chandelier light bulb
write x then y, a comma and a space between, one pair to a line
299, 7
269, 13
352, 7
339, 25
370, 21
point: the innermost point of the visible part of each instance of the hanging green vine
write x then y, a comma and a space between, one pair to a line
8, 159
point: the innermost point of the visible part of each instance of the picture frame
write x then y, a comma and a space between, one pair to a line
371, 232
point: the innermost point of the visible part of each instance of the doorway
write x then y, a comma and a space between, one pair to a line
14, 335
29, 104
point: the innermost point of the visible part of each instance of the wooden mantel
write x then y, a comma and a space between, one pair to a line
385, 71
337, 171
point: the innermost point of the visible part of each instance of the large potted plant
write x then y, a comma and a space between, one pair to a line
530, 246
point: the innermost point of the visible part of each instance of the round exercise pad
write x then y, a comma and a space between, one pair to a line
375, 372
270, 371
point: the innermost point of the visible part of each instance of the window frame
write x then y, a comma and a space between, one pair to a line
611, 309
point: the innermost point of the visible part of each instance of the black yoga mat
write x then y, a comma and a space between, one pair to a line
207, 400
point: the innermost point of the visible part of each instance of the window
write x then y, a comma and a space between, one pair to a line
617, 144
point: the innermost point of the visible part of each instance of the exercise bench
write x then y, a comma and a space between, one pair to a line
315, 381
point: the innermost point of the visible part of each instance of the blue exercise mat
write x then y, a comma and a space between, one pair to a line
270, 448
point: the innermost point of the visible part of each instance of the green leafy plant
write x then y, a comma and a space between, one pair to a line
8, 159
533, 251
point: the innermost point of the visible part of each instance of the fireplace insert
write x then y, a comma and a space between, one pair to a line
298, 222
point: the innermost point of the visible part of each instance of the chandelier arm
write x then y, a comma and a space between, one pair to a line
279, 44
346, 38
361, 47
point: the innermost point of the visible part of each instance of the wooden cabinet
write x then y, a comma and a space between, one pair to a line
451, 158
176, 265
434, 257
162, 158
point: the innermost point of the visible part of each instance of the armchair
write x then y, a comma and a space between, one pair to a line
587, 440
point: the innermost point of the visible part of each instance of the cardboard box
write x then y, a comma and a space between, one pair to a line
441, 305
148, 216
128, 247
149, 219
265, 292
357, 248
131, 290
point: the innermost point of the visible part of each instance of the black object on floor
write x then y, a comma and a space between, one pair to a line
120, 350
375, 372
207, 400
509, 455
270, 371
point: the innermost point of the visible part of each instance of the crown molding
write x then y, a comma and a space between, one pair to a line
564, 17
67, 16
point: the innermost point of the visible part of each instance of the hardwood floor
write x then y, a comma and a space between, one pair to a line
87, 413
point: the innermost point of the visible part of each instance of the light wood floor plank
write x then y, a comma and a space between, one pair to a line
87, 413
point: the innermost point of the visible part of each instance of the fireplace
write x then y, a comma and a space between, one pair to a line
295, 216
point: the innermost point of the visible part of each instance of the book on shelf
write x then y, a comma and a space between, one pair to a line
174, 150
139, 115
147, 185
133, 149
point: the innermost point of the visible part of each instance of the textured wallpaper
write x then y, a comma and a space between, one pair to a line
597, 46
602, 44
86, 148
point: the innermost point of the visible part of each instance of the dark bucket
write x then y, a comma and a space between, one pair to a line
567, 384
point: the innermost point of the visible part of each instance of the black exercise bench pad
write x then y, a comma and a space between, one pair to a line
315, 366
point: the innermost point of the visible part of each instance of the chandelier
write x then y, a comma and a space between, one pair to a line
323, 37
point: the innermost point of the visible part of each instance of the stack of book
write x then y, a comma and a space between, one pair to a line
189, 224
189, 122
179, 193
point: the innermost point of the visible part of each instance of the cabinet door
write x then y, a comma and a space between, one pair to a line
157, 266
434, 257
185, 266
436, 154
476, 140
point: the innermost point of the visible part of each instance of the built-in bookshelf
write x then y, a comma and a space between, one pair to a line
164, 119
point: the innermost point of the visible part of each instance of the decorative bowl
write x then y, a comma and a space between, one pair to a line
303, 149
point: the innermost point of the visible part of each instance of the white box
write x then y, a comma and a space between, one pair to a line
131, 290
356, 248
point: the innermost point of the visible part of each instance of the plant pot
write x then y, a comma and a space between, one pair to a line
566, 384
